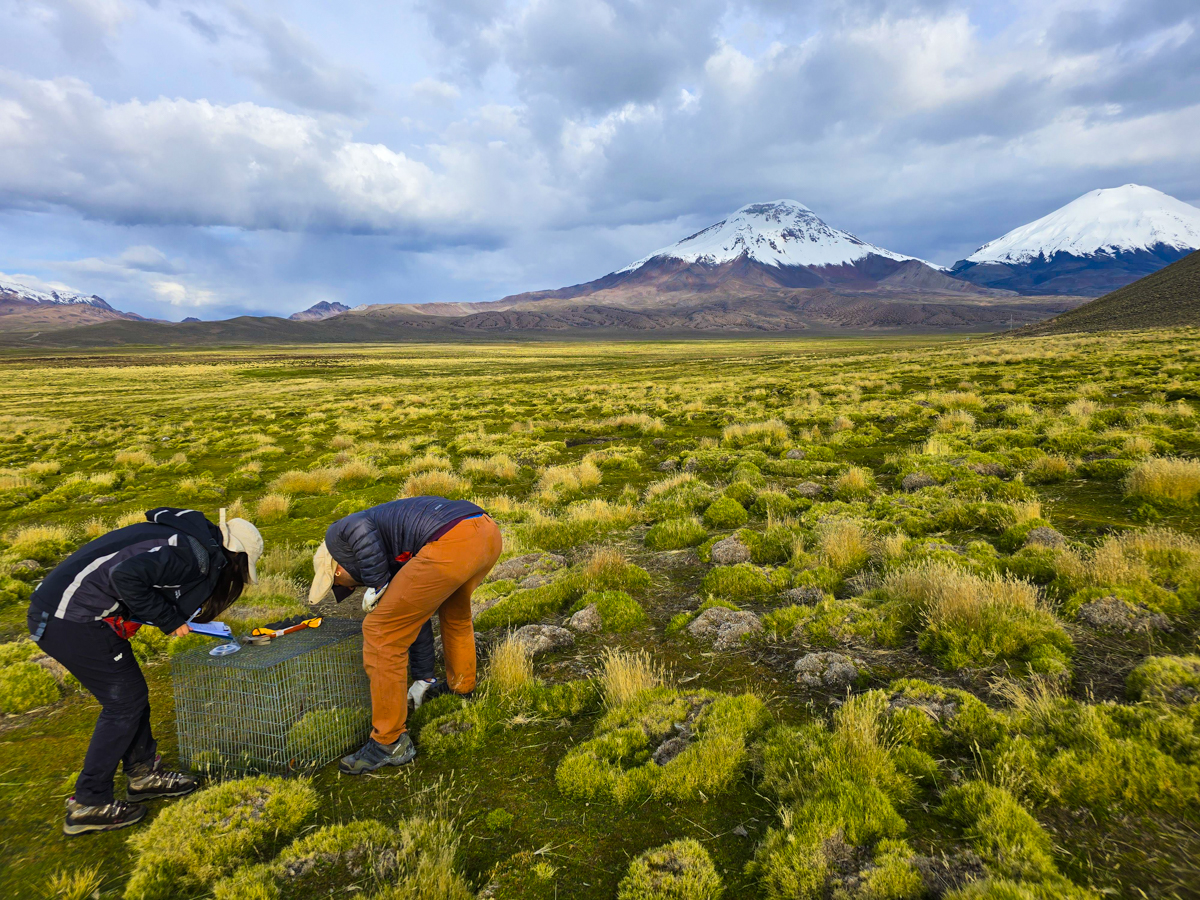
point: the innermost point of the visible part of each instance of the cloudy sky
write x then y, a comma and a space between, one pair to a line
207, 158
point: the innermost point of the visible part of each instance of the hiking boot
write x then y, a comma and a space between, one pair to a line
149, 781
118, 814
375, 755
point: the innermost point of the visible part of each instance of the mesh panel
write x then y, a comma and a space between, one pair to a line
290, 706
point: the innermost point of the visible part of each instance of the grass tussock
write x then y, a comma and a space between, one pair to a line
272, 508
624, 675
1166, 480
499, 467
436, 483
970, 620
510, 668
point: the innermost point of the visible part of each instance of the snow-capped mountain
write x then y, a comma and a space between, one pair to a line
11, 290
779, 233
763, 248
28, 310
1096, 243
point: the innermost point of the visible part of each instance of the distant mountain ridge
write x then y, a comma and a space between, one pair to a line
1097, 243
318, 311
12, 291
26, 309
763, 251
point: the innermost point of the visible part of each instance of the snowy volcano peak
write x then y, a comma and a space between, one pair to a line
1107, 221
779, 233
54, 296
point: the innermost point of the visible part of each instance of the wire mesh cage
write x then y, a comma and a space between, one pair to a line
292, 705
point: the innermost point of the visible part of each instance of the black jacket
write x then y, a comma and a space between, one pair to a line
367, 543
157, 572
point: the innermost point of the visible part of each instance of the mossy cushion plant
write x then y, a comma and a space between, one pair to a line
533, 604
675, 534
743, 581
726, 513
666, 744
1013, 846
1166, 679
199, 839
618, 611
26, 685
680, 870
414, 859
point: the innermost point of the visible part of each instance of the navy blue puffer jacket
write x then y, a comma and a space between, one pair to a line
367, 543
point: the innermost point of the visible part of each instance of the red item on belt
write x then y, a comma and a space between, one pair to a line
122, 626
440, 533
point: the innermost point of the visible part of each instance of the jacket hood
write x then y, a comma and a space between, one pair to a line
190, 522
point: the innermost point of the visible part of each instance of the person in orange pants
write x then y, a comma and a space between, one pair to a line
417, 556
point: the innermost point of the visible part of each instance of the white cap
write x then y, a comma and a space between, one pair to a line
239, 536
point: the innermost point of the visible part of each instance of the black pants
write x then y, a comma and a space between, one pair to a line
104, 664
420, 654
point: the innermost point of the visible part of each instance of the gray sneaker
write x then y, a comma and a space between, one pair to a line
149, 781
374, 755
118, 814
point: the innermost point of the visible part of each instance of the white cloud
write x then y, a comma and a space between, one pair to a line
501, 146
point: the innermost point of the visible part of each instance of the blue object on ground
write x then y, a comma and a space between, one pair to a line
212, 629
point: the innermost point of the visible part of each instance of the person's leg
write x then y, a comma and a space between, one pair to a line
106, 667
421, 653
454, 615
389, 630
413, 595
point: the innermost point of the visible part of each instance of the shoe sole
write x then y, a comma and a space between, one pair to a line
87, 829
390, 761
141, 798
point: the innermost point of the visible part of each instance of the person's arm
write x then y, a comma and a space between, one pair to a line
370, 553
142, 582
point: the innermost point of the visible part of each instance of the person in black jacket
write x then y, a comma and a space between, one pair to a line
173, 568
416, 556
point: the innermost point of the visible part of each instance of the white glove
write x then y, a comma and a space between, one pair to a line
416, 692
371, 598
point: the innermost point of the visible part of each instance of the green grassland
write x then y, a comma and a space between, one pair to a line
870, 618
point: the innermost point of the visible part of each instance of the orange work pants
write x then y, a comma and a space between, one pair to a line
440, 578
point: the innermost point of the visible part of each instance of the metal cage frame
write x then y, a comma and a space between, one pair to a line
290, 706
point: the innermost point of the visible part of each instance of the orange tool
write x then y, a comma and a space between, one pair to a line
270, 633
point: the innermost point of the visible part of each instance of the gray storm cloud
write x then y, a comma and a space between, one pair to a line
518, 144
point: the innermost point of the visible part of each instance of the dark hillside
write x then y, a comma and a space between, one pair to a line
1168, 298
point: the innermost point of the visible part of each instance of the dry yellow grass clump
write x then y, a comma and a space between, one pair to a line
844, 544
510, 670
11, 481
946, 595
499, 467
43, 468
624, 675
773, 433
956, 420
357, 472
1165, 479
298, 481
429, 461
854, 482
134, 459
272, 508
556, 481
435, 483
32, 535
643, 422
